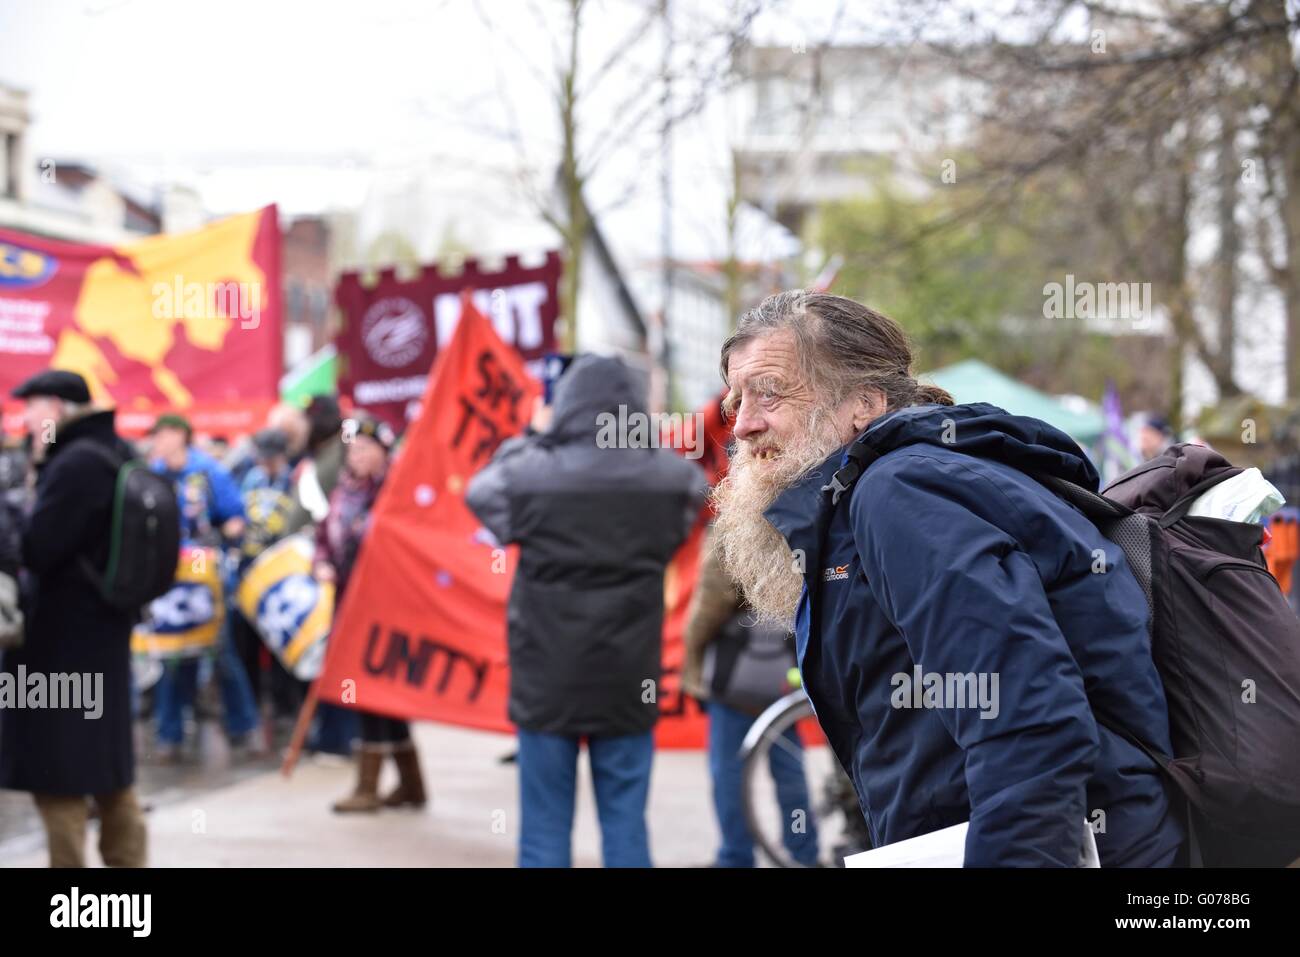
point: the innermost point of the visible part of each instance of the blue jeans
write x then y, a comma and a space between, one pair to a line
175, 691
548, 772
727, 728
178, 687
238, 705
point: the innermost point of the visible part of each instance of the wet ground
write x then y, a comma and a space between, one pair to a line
207, 763
216, 814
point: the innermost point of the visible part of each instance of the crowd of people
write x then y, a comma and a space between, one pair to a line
295, 475
950, 550
578, 661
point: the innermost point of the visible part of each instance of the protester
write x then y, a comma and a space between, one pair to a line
217, 446
1154, 436
11, 556
211, 511
717, 606
316, 446
324, 454
268, 503
943, 555
338, 542
285, 418
266, 492
63, 755
292, 420
314, 454
596, 526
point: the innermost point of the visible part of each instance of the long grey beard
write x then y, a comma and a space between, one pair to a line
752, 552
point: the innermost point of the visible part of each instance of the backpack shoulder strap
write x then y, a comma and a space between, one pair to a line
1092, 504
116, 461
860, 456
1098, 508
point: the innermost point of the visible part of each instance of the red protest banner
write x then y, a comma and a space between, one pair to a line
394, 328
422, 629
187, 321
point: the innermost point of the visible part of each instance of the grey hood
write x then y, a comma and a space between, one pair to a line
590, 386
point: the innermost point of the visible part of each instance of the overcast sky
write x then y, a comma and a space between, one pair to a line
194, 88
323, 104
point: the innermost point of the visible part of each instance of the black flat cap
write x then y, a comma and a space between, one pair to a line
57, 383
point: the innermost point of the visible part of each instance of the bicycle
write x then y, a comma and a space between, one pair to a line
835, 814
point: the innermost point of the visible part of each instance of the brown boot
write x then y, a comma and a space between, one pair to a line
366, 797
410, 789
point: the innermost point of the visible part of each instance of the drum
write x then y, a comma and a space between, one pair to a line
290, 610
185, 621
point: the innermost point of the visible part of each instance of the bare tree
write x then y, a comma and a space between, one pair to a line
595, 128
1153, 109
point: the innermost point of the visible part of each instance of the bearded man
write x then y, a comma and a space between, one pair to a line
965, 636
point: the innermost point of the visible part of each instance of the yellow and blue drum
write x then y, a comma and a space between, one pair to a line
290, 609
186, 620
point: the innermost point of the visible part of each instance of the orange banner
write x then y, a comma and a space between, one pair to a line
421, 632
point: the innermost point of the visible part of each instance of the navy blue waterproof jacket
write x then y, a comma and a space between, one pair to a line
945, 566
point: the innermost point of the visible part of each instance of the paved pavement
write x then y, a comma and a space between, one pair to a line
265, 820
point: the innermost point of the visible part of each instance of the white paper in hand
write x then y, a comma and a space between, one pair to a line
947, 848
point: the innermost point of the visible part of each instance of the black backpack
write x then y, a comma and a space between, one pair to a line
144, 534
1227, 645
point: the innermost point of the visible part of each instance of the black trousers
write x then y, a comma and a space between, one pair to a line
248, 648
286, 691
379, 729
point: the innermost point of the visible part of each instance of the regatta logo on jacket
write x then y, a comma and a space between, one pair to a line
947, 690
836, 573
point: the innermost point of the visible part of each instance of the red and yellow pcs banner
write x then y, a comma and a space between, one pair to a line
187, 322
421, 632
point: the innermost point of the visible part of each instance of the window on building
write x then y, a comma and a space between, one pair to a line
9, 165
320, 307
293, 301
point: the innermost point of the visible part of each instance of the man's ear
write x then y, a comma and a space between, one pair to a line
868, 407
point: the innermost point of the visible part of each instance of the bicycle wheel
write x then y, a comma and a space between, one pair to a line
796, 803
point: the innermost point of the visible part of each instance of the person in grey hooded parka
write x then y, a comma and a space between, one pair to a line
598, 514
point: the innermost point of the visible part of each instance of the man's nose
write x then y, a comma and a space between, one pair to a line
749, 422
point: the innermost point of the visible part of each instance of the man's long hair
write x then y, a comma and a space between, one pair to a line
844, 350
844, 347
